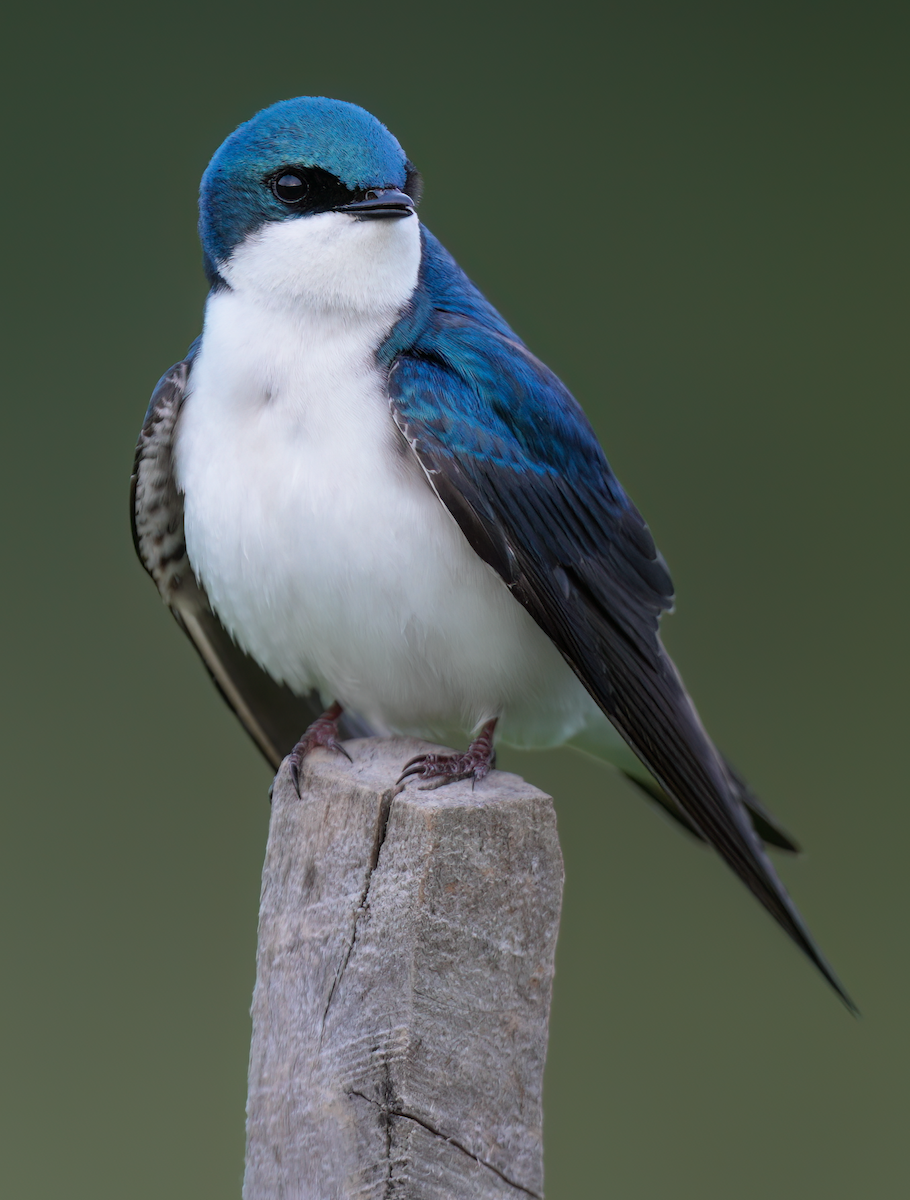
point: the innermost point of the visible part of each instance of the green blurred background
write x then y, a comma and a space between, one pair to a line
697, 214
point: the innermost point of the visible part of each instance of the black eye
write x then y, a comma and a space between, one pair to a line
289, 188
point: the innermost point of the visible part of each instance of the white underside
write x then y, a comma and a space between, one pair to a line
320, 542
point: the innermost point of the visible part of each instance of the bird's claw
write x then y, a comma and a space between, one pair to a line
446, 768
475, 764
323, 732
303, 748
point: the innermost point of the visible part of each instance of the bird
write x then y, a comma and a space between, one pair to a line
373, 510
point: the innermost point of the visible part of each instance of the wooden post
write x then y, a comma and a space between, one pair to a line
403, 979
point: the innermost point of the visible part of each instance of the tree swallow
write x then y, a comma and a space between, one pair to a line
362, 496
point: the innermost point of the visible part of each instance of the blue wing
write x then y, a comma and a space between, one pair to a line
514, 459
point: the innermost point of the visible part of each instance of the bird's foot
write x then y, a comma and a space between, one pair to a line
441, 769
323, 732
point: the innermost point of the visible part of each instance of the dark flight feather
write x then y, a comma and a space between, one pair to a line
764, 823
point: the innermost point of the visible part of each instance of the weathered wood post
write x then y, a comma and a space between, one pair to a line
403, 979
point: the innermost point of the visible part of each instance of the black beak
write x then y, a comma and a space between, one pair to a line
380, 202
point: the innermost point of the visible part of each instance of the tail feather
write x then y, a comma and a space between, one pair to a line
764, 822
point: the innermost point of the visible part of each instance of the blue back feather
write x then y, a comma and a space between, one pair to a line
511, 408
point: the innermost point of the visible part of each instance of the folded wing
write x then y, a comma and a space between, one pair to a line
513, 458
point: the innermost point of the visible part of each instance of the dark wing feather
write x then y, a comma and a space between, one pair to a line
764, 823
511, 455
272, 714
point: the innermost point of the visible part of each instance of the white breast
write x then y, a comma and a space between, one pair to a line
313, 529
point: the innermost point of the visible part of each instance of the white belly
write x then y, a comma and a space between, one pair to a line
326, 553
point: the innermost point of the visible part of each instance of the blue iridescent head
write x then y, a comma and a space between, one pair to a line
297, 158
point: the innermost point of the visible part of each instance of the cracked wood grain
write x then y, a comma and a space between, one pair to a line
390, 1114
404, 971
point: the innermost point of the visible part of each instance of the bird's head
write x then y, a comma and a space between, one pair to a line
313, 200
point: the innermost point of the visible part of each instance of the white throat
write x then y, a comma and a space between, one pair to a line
329, 262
